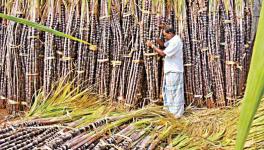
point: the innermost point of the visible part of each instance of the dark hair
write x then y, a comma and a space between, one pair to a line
170, 30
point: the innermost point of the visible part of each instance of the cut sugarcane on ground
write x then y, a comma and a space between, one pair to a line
217, 49
80, 119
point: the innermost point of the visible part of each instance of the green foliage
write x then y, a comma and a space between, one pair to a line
255, 86
41, 27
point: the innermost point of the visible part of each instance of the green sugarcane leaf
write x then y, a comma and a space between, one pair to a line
255, 86
109, 7
41, 27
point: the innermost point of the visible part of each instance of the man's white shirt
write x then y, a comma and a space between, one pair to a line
173, 61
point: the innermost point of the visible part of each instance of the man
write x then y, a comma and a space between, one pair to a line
173, 92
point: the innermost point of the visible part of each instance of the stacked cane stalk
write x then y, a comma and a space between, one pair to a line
33, 51
103, 58
79, 119
13, 70
128, 42
93, 38
116, 49
50, 52
82, 58
215, 65
151, 14
3, 80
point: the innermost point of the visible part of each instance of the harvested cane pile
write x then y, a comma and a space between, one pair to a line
74, 119
216, 36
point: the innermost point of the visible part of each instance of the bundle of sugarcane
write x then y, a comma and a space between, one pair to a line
216, 30
49, 70
147, 31
72, 118
243, 27
203, 39
60, 23
196, 52
2, 59
82, 57
128, 42
152, 31
94, 39
13, 70
116, 49
216, 36
215, 55
103, 61
72, 19
135, 78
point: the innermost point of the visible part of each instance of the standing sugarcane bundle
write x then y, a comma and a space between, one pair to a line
240, 45
103, 70
116, 49
248, 41
203, 37
230, 51
14, 75
201, 52
49, 51
243, 18
151, 61
196, 54
60, 18
188, 44
93, 38
134, 87
82, 56
216, 37
146, 35
182, 30
72, 23
160, 19
215, 55
128, 42
169, 13
3, 86
33, 49
24, 53
188, 68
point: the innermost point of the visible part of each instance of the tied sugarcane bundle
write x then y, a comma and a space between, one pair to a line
217, 47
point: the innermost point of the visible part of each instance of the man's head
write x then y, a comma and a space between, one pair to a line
168, 33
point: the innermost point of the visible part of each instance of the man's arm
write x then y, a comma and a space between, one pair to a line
158, 50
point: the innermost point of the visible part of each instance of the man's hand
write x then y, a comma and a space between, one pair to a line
159, 51
149, 43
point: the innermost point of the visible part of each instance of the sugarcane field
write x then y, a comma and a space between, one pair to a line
131, 74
